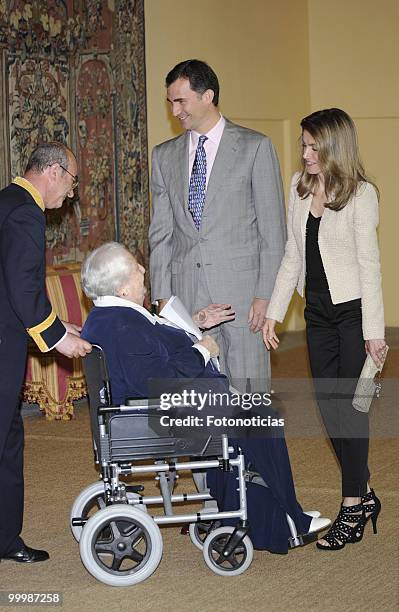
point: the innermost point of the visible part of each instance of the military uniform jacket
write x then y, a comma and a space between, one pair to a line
24, 306
24, 309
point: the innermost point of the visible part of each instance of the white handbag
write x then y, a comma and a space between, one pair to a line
369, 384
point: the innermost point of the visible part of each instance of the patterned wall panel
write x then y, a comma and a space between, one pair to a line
60, 61
131, 137
95, 151
38, 103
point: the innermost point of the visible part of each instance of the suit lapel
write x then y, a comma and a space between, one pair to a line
224, 161
179, 165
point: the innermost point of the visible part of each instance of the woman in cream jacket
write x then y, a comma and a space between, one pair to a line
332, 256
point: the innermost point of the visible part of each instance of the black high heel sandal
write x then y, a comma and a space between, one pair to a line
372, 510
347, 528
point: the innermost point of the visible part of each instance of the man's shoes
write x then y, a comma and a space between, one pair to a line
27, 555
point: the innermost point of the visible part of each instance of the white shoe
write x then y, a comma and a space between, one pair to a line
313, 513
318, 524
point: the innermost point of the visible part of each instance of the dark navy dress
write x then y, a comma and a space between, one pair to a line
139, 351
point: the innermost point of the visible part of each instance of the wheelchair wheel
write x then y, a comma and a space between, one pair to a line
239, 560
120, 546
89, 501
199, 532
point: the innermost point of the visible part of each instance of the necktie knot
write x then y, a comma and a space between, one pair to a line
197, 187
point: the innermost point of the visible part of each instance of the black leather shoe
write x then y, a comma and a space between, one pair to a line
28, 555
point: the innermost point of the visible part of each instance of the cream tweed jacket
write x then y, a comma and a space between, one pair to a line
349, 251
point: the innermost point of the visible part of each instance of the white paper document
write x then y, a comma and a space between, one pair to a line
175, 312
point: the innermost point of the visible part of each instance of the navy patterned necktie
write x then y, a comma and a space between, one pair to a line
197, 188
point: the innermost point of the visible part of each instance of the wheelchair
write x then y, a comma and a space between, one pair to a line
120, 543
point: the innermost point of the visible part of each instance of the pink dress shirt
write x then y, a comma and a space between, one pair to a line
211, 146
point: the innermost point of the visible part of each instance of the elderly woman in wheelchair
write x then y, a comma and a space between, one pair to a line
121, 544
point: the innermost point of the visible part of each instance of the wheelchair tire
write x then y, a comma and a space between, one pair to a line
239, 560
130, 551
200, 531
92, 499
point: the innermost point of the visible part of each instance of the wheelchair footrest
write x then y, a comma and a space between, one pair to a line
301, 540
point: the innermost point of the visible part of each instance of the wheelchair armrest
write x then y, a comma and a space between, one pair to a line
131, 402
140, 402
107, 409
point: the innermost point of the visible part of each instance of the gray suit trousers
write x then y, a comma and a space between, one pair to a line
243, 356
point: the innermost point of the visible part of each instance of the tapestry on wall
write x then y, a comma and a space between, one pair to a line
74, 71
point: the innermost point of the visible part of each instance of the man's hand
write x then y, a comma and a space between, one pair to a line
377, 350
269, 335
257, 314
212, 315
211, 344
72, 328
73, 346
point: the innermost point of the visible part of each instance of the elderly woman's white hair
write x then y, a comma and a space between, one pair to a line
105, 270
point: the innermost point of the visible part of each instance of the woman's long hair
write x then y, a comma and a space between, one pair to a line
336, 139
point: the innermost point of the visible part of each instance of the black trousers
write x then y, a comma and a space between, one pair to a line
12, 486
337, 354
13, 350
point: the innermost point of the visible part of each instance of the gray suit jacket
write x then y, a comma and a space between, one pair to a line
241, 239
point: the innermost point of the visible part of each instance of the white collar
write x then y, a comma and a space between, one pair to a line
114, 300
214, 134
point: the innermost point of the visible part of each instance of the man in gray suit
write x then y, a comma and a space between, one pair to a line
218, 227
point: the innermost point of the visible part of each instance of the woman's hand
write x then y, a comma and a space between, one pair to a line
210, 343
269, 335
376, 349
214, 314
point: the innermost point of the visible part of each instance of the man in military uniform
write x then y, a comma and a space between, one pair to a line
26, 311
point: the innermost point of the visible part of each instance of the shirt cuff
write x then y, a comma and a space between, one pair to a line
204, 352
57, 343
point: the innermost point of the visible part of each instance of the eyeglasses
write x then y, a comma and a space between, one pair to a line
75, 177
